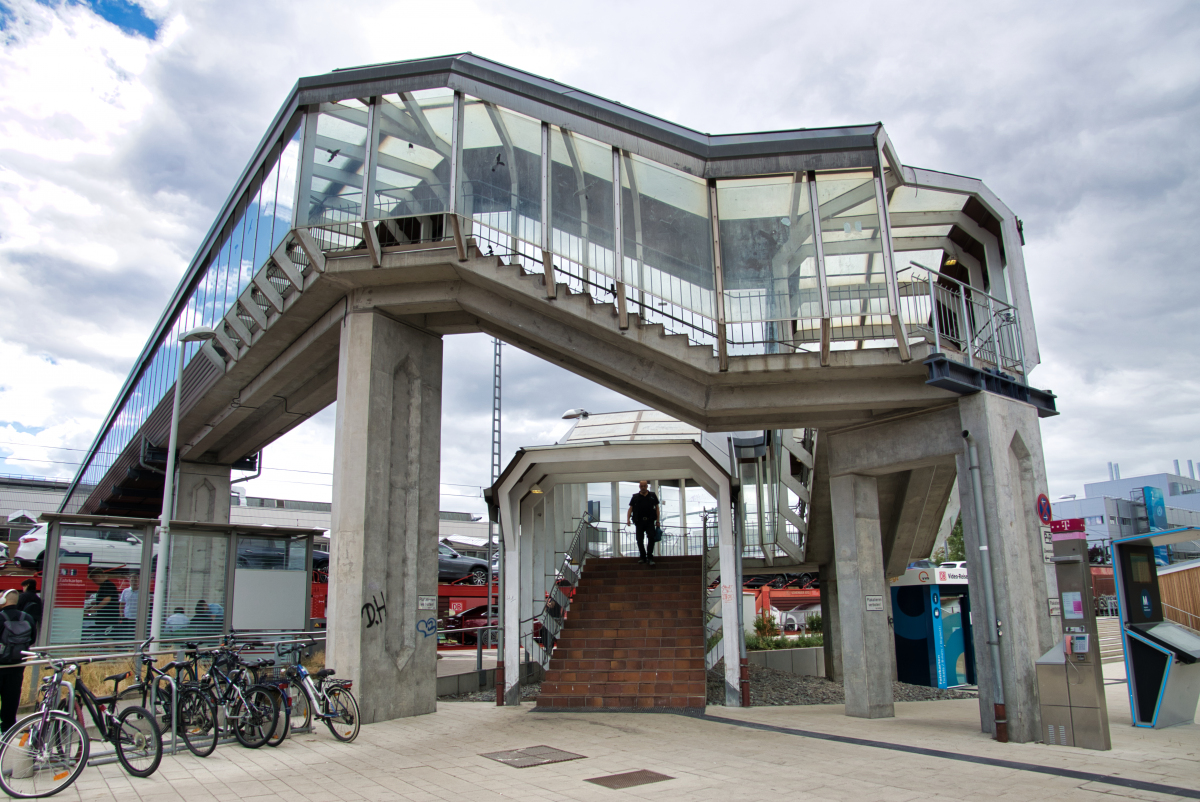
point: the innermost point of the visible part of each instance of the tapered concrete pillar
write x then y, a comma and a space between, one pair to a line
1013, 473
865, 635
203, 493
385, 516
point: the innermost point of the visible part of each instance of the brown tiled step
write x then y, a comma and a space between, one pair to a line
636, 595
579, 652
585, 688
640, 614
583, 639
642, 573
581, 702
639, 664
633, 629
557, 677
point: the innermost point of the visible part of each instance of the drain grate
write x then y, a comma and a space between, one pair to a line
630, 778
531, 756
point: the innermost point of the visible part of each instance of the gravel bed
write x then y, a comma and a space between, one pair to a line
771, 687
528, 694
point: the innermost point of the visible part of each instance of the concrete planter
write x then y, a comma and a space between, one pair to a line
808, 662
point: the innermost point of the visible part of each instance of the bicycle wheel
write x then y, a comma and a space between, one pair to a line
300, 716
254, 721
39, 761
283, 723
343, 714
198, 721
138, 741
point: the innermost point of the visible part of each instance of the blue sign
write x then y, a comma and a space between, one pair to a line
1156, 508
1146, 602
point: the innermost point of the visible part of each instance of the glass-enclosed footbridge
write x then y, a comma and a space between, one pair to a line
769, 252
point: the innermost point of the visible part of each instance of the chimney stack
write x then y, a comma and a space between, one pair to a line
1116, 470
1191, 470
1177, 473
1110, 472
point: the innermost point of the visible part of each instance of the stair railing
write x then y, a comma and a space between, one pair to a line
710, 577
546, 625
1190, 620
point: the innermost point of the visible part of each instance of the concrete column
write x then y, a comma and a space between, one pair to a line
831, 629
732, 635
203, 493
1013, 473
538, 546
865, 635
528, 545
683, 531
387, 455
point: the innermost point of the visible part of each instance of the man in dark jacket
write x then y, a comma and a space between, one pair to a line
643, 514
11, 676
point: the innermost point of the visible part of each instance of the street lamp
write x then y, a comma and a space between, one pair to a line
198, 334
572, 414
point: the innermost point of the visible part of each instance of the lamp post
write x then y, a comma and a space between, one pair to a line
198, 334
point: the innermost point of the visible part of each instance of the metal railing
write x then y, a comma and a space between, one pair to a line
539, 640
958, 317
1191, 621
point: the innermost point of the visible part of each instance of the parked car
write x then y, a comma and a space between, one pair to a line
472, 617
453, 567
958, 564
108, 547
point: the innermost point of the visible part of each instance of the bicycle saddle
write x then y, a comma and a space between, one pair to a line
117, 677
324, 672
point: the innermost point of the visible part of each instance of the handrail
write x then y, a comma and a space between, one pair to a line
1188, 614
568, 570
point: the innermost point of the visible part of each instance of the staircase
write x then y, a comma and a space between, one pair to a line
1108, 631
633, 639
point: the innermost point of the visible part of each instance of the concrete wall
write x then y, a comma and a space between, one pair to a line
807, 662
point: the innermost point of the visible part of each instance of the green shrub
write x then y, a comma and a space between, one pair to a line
815, 624
765, 626
757, 643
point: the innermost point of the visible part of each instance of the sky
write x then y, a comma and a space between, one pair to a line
123, 127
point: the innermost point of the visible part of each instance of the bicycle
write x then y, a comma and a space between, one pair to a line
46, 751
195, 716
252, 708
316, 694
279, 689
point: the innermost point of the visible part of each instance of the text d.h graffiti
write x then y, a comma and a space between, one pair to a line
374, 610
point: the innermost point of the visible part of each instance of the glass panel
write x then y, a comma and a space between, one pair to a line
853, 246
917, 199
768, 258
412, 155
249, 240
273, 554
98, 593
667, 235
266, 218
581, 212
233, 281
502, 173
335, 194
289, 175
196, 599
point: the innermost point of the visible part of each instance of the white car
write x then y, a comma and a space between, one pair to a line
108, 547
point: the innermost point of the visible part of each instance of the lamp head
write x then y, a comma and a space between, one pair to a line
198, 334
572, 414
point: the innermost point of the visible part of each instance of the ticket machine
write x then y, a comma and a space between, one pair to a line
1162, 658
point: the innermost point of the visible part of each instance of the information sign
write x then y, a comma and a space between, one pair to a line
874, 604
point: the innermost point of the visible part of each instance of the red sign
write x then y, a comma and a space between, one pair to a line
320, 593
1043, 508
1067, 525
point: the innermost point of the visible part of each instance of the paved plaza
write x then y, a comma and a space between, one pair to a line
437, 757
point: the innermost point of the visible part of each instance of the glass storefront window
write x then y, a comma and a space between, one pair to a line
338, 156
98, 589
412, 154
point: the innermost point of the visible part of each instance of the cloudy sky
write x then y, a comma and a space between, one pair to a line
123, 128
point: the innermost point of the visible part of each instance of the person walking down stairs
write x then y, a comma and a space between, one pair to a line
643, 514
